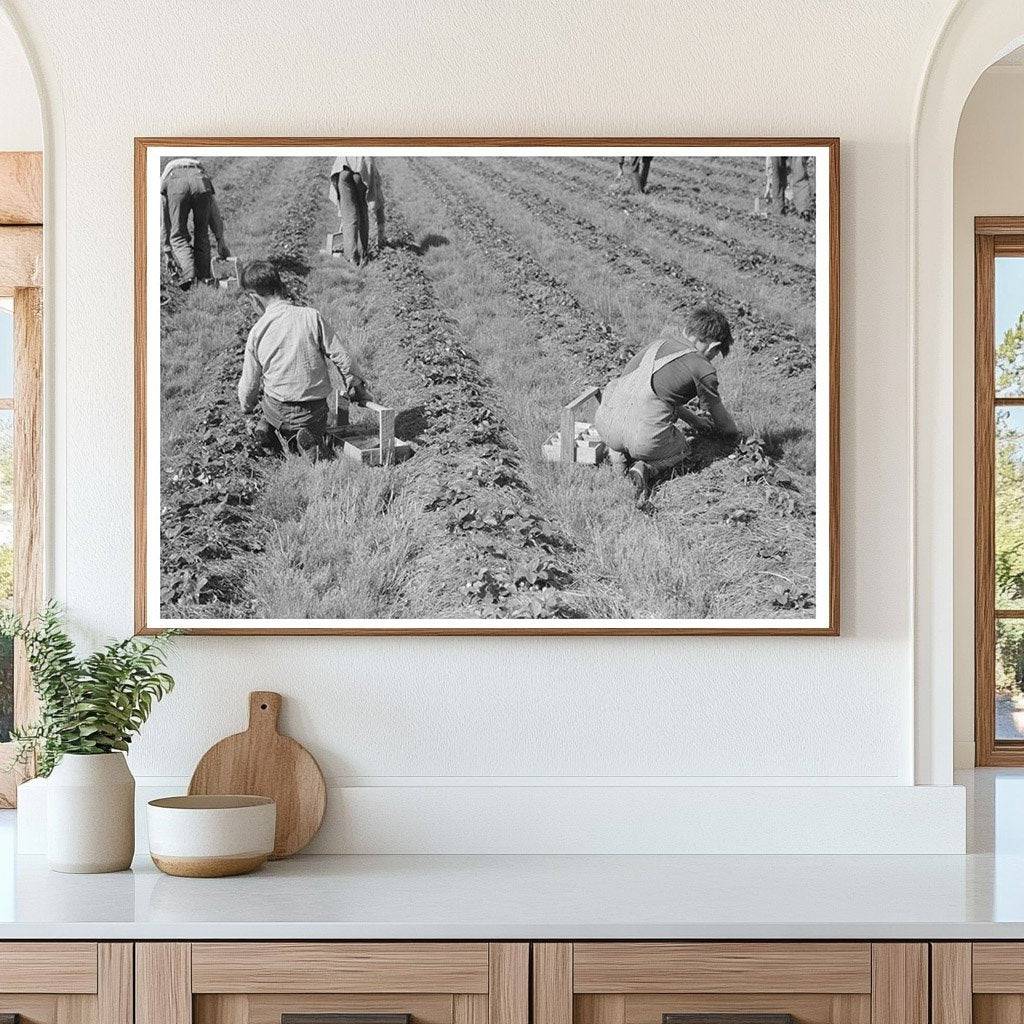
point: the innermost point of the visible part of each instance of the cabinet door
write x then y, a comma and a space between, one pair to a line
66, 982
737, 982
332, 983
981, 982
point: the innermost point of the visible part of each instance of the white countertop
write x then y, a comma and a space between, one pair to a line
532, 897
978, 896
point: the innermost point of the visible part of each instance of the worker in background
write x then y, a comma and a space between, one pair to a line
776, 173
367, 169
801, 178
288, 354
640, 168
348, 192
189, 213
639, 408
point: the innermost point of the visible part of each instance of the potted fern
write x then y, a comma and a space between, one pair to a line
89, 710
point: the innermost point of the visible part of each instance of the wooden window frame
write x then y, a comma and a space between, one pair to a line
21, 268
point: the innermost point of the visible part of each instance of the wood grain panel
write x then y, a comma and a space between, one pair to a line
599, 1009
899, 991
951, 983
267, 1009
28, 482
850, 1009
229, 1009
115, 983
21, 258
998, 967
469, 1009
634, 967
339, 967
37, 1009
21, 188
76, 1010
552, 983
997, 1009
807, 1009
48, 967
163, 983
508, 988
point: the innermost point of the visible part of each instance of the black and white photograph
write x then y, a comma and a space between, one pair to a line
462, 387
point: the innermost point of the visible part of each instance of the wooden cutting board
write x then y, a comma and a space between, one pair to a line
262, 762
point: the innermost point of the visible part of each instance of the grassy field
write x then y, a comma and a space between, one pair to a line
512, 284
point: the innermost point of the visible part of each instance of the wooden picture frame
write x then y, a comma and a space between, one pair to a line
827, 497
21, 263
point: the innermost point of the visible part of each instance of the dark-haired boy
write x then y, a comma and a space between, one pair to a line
639, 408
287, 354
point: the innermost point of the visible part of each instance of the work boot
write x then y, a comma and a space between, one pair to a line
640, 476
308, 443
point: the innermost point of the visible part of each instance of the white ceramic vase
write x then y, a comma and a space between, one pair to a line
90, 814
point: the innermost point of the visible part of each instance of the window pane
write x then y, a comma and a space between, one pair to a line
1009, 679
6, 348
6, 567
1009, 320
1009, 484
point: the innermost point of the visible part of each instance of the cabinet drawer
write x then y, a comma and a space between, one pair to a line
261, 982
69, 967
735, 982
635, 967
340, 967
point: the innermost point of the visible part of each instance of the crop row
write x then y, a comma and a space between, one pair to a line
512, 562
783, 351
744, 254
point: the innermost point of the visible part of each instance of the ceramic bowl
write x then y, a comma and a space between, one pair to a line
211, 836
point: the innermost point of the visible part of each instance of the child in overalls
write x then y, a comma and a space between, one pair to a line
639, 409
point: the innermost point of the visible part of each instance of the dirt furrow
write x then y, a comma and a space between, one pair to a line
545, 298
514, 563
579, 187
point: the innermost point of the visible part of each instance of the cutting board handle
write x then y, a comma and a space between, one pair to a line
264, 711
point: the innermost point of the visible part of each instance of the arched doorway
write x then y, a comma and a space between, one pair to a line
975, 35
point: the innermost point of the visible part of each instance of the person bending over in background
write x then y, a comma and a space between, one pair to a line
639, 408
776, 181
187, 192
355, 186
639, 167
369, 173
288, 352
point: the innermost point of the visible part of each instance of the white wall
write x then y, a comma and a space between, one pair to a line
444, 713
21, 124
988, 181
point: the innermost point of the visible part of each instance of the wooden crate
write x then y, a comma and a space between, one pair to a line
576, 440
379, 449
226, 273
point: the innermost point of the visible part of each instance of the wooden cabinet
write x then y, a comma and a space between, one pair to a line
259, 982
648, 982
66, 982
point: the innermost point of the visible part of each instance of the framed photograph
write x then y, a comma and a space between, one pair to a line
487, 386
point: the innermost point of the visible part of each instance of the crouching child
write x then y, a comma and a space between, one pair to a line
287, 357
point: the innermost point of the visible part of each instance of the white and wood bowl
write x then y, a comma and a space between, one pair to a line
211, 836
